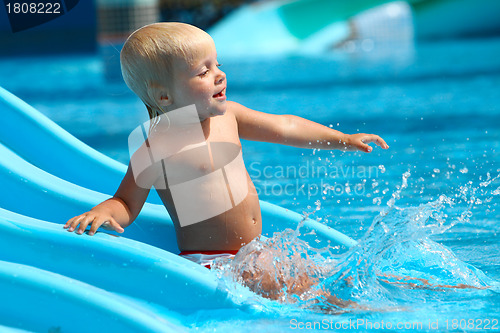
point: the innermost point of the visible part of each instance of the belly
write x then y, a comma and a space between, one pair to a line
229, 230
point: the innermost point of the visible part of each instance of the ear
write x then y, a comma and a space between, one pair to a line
160, 94
164, 99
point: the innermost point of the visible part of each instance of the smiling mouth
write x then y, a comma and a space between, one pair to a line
220, 94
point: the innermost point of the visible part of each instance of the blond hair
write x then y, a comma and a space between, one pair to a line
147, 58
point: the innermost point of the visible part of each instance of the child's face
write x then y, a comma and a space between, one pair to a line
201, 83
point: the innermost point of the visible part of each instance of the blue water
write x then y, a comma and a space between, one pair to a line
427, 208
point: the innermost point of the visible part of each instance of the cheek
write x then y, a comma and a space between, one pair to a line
206, 92
200, 88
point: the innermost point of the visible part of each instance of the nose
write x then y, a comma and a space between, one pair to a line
221, 77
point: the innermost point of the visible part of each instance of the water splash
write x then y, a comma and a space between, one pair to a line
394, 263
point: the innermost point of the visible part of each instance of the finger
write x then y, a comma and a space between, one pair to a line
380, 142
95, 225
84, 224
68, 223
75, 221
377, 140
72, 220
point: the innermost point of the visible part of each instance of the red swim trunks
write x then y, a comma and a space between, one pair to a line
206, 258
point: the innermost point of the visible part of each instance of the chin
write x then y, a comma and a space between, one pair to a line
219, 111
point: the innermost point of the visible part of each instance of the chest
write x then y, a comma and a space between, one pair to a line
219, 148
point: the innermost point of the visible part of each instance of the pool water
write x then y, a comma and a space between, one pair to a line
427, 208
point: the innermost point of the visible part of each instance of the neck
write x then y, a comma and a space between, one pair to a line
205, 126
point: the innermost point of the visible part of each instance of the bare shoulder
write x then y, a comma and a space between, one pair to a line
241, 112
247, 116
234, 108
231, 105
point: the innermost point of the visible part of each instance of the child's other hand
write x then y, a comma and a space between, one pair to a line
96, 219
360, 142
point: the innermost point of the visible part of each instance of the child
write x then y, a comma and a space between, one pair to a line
195, 140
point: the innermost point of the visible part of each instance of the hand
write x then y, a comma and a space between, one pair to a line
96, 219
360, 142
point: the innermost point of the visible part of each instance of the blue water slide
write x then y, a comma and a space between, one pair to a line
42, 301
114, 264
43, 143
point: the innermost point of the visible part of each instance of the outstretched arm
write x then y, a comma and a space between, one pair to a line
298, 132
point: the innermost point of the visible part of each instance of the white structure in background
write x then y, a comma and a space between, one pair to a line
382, 29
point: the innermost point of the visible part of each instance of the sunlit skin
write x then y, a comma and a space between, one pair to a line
203, 83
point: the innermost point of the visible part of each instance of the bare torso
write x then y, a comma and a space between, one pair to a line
226, 190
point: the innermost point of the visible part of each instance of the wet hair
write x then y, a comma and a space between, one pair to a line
147, 58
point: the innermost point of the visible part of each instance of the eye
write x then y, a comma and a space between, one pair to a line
218, 65
204, 73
